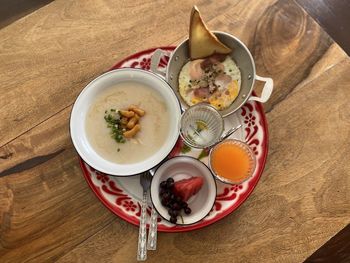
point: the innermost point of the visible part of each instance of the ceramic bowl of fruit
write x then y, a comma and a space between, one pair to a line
183, 190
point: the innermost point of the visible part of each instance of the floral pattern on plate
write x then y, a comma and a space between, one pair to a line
123, 195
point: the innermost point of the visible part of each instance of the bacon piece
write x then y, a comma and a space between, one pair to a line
196, 72
206, 64
202, 93
217, 58
222, 80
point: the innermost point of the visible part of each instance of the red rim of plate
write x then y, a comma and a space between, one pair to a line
201, 224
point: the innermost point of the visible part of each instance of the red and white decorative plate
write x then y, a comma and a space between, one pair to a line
123, 195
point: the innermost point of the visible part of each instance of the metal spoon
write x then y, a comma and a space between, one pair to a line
153, 225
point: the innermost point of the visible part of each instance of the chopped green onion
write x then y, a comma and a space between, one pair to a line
113, 122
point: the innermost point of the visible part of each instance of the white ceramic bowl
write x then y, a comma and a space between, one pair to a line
182, 167
86, 98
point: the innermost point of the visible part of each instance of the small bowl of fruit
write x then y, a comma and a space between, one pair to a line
183, 190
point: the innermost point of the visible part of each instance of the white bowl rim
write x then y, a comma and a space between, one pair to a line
212, 176
169, 144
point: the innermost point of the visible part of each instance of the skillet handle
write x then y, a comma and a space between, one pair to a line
266, 92
155, 59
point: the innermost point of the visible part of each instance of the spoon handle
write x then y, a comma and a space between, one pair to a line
152, 234
141, 247
229, 132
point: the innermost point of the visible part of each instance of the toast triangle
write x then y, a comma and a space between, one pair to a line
202, 42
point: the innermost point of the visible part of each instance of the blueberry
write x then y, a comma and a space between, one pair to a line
173, 220
163, 184
170, 183
162, 191
187, 210
166, 195
178, 199
176, 206
170, 180
173, 213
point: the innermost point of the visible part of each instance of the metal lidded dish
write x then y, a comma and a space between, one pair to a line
240, 54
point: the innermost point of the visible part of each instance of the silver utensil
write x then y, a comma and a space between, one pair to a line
153, 225
152, 234
141, 247
228, 133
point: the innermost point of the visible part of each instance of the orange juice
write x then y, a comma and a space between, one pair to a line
232, 161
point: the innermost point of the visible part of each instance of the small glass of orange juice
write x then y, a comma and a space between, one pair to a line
232, 161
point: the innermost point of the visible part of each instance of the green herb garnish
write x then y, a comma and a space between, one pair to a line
185, 149
204, 153
113, 122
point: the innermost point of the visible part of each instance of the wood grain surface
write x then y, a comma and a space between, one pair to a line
47, 211
333, 16
11, 10
335, 250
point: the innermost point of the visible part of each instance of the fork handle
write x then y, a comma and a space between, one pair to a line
152, 234
141, 247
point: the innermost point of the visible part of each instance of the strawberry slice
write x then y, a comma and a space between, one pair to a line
188, 187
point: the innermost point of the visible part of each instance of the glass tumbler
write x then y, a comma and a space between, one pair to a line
201, 126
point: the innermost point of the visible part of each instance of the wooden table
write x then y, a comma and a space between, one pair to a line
47, 211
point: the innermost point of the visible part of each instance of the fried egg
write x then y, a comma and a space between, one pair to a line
218, 86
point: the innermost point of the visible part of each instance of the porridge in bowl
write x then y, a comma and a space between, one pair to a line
108, 130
